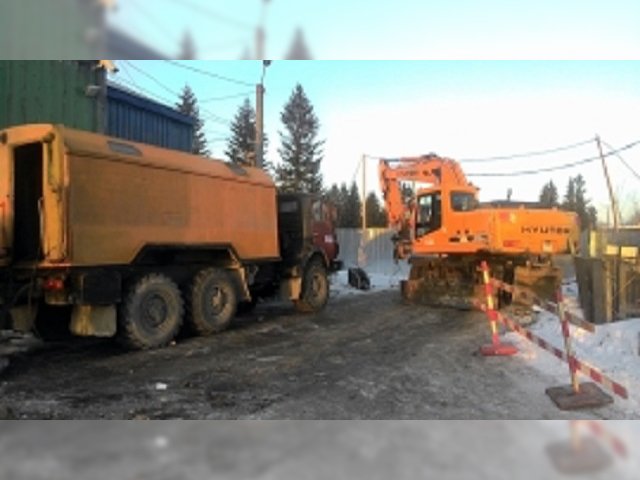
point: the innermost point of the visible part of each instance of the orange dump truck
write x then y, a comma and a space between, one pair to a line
138, 239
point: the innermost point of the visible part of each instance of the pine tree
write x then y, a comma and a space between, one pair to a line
353, 207
300, 152
575, 200
549, 195
376, 215
188, 105
241, 144
332, 195
587, 213
344, 212
569, 201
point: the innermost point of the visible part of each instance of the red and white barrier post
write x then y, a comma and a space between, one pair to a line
495, 348
566, 335
577, 395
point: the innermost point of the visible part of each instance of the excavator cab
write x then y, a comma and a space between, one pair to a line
428, 213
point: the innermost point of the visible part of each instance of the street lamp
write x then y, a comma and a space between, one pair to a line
260, 115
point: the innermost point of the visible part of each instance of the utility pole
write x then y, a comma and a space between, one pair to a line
258, 160
614, 204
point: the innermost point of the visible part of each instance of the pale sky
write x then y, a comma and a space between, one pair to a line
393, 29
457, 109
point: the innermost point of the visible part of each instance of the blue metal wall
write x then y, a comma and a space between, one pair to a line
139, 119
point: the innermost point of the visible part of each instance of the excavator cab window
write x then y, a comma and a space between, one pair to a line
429, 214
463, 202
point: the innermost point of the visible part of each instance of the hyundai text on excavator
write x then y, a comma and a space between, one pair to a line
444, 232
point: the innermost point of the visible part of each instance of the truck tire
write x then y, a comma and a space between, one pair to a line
315, 288
151, 314
212, 302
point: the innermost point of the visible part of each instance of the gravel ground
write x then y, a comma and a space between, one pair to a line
365, 357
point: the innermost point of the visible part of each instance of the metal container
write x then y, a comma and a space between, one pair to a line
140, 119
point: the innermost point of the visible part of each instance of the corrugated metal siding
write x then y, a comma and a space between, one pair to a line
139, 119
48, 91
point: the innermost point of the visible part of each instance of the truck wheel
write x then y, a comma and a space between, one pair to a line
212, 301
151, 313
315, 288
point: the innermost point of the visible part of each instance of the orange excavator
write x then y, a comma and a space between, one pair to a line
445, 232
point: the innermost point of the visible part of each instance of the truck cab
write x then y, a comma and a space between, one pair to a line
306, 227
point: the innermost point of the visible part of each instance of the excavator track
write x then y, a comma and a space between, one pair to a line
455, 282
440, 282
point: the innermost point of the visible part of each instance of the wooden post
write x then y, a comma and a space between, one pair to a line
614, 205
608, 288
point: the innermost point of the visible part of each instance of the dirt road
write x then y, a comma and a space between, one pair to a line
364, 357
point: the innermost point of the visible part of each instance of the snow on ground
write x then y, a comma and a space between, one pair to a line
614, 349
382, 275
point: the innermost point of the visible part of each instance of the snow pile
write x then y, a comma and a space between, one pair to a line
614, 349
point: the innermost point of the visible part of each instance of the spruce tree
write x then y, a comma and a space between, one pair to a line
241, 144
586, 212
343, 210
569, 201
333, 196
376, 215
575, 200
353, 207
188, 105
549, 195
300, 151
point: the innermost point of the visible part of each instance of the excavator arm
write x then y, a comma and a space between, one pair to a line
428, 169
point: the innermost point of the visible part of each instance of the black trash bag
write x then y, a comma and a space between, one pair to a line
359, 279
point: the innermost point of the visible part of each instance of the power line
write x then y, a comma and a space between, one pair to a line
529, 154
553, 169
215, 118
125, 69
206, 113
621, 159
209, 74
226, 97
138, 90
153, 79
